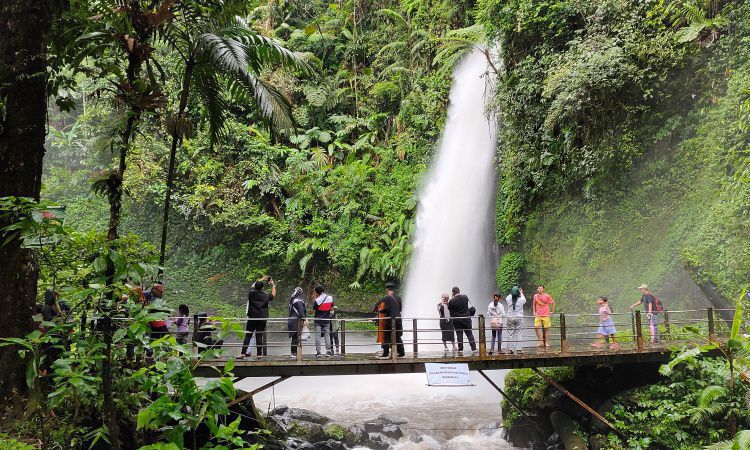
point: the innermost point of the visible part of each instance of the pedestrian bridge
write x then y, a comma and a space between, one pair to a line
570, 342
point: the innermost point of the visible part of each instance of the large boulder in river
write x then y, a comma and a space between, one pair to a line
357, 435
306, 416
378, 441
308, 431
376, 425
392, 431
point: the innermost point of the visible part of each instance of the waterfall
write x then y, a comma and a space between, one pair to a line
455, 236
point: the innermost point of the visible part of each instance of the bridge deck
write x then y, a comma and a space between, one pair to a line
363, 364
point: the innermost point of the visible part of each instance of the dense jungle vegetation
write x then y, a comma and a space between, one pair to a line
206, 143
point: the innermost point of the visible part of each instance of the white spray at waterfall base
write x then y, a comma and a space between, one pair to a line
454, 237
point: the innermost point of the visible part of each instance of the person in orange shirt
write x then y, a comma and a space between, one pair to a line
543, 306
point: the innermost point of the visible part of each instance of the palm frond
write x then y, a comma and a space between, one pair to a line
271, 103
710, 394
209, 88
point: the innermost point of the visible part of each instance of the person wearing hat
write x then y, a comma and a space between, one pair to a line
459, 308
514, 312
390, 308
648, 300
257, 314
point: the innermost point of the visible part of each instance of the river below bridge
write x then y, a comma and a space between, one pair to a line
466, 417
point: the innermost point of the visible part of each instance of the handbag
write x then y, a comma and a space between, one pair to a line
472, 309
496, 323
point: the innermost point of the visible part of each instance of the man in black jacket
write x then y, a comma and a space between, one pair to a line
257, 313
392, 309
459, 309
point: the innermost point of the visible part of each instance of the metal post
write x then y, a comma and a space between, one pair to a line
393, 338
482, 337
563, 335
711, 329
195, 333
343, 336
666, 323
414, 336
632, 321
638, 330
300, 324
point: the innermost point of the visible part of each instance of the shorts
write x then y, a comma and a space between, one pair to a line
606, 328
544, 322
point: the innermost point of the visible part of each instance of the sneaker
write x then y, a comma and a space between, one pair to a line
403, 355
261, 356
383, 357
329, 354
460, 353
474, 352
489, 353
293, 356
318, 355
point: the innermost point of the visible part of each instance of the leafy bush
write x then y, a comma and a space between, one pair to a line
509, 271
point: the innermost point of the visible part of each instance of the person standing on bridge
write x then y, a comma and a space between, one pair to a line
257, 313
323, 306
391, 309
297, 312
543, 307
459, 309
606, 325
496, 312
648, 300
446, 323
514, 302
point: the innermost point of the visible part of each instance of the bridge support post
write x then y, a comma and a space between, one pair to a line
300, 324
482, 337
196, 329
638, 331
666, 324
393, 338
414, 336
563, 335
711, 328
342, 330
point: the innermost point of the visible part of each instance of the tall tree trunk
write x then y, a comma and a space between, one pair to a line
177, 132
23, 109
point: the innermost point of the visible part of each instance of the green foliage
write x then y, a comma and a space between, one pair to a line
529, 390
509, 271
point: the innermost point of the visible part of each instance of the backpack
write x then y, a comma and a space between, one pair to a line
658, 305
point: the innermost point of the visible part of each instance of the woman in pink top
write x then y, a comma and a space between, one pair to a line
606, 325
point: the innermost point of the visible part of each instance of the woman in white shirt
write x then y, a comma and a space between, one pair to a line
496, 312
515, 301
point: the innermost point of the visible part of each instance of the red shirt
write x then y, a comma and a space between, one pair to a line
541, 303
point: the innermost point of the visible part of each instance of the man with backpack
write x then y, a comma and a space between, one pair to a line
323, 306
652, 306
460, 309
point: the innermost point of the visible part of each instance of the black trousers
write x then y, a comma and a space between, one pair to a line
463, 326
294, 344
399, 342
258, 328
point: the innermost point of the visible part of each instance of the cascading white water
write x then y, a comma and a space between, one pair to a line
454, 239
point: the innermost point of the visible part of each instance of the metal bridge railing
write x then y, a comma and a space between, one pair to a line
567, 333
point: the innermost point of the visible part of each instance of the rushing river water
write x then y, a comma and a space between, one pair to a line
437, 417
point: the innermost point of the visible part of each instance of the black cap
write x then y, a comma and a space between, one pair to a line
455, 290
258, 285
390, 285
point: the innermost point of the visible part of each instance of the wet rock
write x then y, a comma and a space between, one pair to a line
490, 428
294, 443
308, 431
569, 431
357, 436
598, 441
392, 431
330, 444
378, 441
305, 415
376, 425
